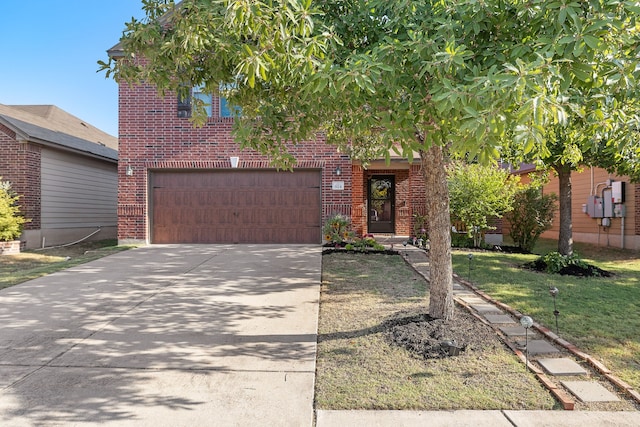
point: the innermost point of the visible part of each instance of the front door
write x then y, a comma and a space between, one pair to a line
381, 202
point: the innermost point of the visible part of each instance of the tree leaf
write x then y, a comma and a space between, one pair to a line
592, 42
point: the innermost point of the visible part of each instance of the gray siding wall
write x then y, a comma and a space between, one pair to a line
77, 191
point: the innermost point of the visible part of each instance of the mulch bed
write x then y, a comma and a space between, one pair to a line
435, 338
570, 270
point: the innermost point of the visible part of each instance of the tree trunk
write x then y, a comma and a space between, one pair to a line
439, 225
565, 237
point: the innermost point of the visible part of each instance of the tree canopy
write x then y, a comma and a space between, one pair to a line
480, 78
584, 109
473, 74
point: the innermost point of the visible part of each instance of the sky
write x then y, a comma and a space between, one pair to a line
50, 52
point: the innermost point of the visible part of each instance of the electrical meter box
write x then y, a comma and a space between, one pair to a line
607, 203
617, 191
594, 207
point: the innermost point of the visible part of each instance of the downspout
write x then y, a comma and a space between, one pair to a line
622, 232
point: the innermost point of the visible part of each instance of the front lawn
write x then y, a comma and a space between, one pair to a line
31, 264
598, 314
364, 299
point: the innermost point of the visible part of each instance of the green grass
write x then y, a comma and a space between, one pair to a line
599, 315
15, 269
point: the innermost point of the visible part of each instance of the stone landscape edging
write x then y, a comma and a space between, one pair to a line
596, 365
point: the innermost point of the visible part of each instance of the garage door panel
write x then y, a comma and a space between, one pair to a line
257, 206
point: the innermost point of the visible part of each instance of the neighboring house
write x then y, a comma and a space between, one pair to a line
605, 208
180, 184
65, 171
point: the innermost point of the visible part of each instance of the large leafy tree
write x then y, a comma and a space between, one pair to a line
431, 77
601, 129
583, 107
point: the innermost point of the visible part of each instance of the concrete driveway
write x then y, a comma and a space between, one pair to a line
169, 335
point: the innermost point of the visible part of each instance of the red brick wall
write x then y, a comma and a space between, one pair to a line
498, 224
359, 193
418, 201
151, 136
20, 165
403, 209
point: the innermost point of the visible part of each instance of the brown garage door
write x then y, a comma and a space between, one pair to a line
236, 206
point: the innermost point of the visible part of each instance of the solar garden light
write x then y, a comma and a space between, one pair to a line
526, 323
470, 256
553, 291
451, 346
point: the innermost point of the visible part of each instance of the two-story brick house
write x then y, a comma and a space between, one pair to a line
180, 184
183, 184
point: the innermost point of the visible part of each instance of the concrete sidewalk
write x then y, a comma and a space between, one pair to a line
476, 419
189, 335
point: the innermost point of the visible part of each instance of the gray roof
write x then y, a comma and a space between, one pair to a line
49, 125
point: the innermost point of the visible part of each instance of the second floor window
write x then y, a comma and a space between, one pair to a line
214, 106
225, 108
206, 98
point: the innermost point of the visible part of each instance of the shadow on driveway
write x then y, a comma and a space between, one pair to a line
164, 335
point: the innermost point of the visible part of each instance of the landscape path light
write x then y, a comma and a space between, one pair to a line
526, 323
470, 256
553, 291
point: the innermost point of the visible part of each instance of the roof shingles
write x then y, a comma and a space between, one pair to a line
48, 124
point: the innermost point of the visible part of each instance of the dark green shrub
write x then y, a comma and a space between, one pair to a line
366, 243
461, 240
555, 261
531, 216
